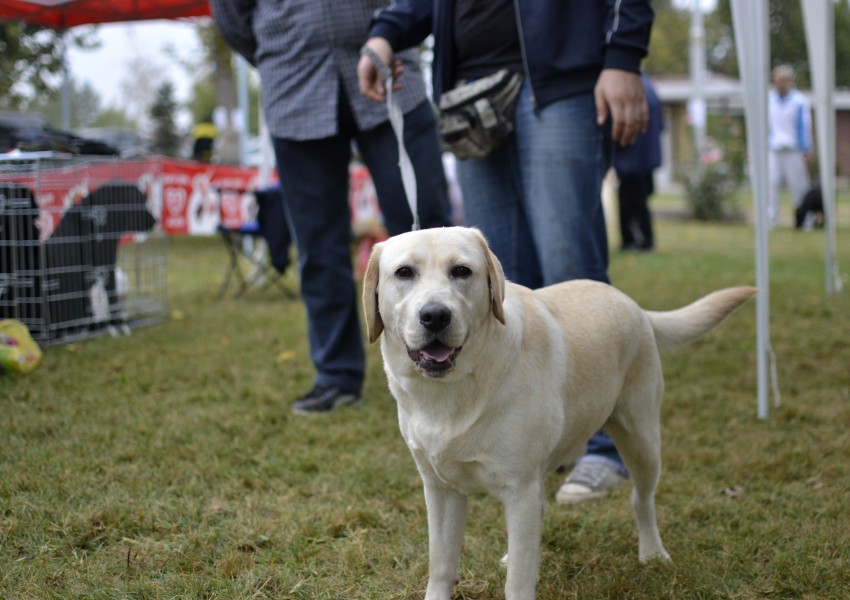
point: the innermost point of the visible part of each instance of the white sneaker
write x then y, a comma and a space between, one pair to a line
589, 480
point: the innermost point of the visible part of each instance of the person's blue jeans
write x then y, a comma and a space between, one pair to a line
601, 448
538, 201
538, 197
314, 181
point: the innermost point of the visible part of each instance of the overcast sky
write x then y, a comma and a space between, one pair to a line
106, 68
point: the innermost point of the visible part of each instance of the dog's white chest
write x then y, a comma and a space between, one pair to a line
464, 476
449, 460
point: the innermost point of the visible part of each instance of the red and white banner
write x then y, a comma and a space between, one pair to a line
196, 197
185, 197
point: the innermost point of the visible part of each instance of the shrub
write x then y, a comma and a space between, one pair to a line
711, 187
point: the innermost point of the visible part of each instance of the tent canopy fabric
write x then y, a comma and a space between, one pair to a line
62, 14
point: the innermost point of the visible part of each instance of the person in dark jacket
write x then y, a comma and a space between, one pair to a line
538, 197
635, 166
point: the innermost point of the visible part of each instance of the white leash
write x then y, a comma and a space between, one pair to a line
408, 177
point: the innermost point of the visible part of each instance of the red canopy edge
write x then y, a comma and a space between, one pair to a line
60, 14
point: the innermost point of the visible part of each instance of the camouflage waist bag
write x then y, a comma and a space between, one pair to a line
476, 117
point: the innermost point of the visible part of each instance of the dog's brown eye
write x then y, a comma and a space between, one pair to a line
461, 272
404, 273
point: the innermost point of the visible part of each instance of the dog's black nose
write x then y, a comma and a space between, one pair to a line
435, 317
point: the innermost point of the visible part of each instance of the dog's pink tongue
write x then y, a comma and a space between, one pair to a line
437, 352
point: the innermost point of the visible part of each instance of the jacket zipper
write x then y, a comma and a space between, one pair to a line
522, 53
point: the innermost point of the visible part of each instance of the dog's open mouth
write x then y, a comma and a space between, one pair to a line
436, 359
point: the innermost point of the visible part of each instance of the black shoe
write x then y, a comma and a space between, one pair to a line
323, 399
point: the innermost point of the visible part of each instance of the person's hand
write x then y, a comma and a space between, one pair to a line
369, 79
620, 94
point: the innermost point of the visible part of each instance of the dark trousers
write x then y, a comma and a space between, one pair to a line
635, 218
314, 180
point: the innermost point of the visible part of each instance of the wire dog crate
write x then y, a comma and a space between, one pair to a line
80, 251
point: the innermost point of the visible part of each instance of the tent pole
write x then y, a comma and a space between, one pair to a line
819, 21
750, 24
66, 81
696, 104
244, 108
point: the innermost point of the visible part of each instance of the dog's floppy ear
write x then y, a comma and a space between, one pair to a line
495, 278
374, 323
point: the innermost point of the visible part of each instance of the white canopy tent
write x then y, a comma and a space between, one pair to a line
752, 41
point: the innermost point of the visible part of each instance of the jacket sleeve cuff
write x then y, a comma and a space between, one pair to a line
388, 32
624, 59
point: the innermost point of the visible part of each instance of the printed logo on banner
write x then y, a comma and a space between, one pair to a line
44, 222
148, 186
204, 215
175, 208
175, 200
75, 194
231, 209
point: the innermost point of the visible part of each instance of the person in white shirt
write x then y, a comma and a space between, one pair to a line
789, 139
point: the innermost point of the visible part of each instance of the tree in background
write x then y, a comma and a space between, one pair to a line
140, 87
115, 118
787, 40
31, 77
165, 139
842, 44
203, 100
668, 48
31, 80
669, 42
31, 61
211, 63
218, 60
85, 105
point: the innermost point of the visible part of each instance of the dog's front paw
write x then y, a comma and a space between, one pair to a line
655, 555
440, 590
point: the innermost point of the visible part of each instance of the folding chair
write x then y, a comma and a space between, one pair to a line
244, 247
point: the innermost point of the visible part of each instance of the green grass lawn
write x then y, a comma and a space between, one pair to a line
167, 464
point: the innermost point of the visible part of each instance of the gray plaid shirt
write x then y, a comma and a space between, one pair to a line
304, 49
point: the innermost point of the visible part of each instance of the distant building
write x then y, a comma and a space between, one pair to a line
724, 98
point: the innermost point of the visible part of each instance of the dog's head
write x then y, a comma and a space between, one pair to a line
430, 290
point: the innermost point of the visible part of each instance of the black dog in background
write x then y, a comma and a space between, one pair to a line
80, 256
810, 212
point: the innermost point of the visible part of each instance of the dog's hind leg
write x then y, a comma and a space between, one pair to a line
446, 520
638, 440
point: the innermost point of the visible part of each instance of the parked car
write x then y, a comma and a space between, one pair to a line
31, 133
127, 141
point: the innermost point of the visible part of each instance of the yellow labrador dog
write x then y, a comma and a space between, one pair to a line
497, 385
